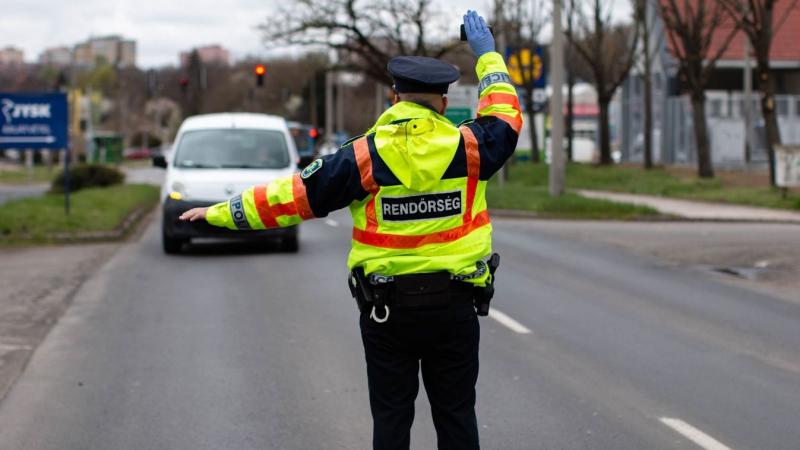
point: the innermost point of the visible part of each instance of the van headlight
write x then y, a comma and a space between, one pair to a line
178, 191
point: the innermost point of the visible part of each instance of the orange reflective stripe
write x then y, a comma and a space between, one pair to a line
301, 198
499, 98
262, 207
398, 241
364, 161
283, 209
372, 218
514, 122
473, 168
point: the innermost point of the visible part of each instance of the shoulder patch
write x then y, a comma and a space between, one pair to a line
311, 168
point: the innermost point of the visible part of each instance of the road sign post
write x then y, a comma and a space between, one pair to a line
36, 121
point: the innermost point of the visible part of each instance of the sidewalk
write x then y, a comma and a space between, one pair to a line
14, 191
699, 210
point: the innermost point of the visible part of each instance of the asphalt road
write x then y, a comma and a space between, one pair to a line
242, 347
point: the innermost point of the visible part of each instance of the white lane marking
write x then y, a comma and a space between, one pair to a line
332, 222
693, 434
508, 322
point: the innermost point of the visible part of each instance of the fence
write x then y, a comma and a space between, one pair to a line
674, 133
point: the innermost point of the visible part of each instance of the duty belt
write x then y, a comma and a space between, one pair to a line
376, 293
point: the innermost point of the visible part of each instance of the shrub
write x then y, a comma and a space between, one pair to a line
88, 175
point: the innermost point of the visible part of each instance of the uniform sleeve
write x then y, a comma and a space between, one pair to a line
327, 184
499, 115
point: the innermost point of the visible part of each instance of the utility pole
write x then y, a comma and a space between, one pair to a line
313, 102
339, 103
557, 164
329, 107
747, 110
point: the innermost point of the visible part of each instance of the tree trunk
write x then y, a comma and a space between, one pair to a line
773, 136
704, 166
605, 132
648, 104
528, 99
570, 117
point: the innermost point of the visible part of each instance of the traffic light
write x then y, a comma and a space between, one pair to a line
184, 84
260, 70
313, 133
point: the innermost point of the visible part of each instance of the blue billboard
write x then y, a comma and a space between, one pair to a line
33, 120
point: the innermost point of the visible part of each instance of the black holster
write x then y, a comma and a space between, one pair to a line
484, 294
366, 294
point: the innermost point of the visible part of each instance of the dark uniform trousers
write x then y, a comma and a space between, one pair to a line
444, 344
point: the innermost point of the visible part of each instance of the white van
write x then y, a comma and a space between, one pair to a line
216, 156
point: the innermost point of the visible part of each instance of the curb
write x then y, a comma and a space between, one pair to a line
659, 218
523, 214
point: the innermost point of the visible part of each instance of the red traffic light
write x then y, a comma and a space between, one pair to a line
313, 133
260, 70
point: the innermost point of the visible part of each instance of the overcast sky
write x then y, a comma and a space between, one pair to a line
161, 28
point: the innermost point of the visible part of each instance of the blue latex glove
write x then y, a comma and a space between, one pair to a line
479, 37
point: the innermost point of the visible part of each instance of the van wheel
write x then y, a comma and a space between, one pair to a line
290, 244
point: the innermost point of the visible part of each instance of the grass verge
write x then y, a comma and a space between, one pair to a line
37, 219
658, 182
569, 206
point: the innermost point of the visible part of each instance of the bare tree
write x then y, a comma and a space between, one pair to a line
691, 28
366, 34
570, 125
610, 50
643, 15
522, 22
759, 21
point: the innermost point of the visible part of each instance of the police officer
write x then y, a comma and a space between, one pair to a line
421, 255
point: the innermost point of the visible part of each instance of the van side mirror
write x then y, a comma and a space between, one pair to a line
160, 161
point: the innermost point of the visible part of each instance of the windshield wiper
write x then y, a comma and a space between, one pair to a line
198, 166
242, 166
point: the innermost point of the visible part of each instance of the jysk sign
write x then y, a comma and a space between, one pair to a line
33, 120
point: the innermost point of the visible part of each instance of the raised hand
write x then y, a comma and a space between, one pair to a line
479, 37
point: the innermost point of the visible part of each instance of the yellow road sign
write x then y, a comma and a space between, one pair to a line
525, 67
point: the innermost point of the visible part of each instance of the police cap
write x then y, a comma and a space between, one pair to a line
421, 74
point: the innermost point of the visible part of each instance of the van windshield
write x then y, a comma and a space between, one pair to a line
232, 148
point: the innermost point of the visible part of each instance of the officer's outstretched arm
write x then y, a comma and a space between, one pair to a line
327, 184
